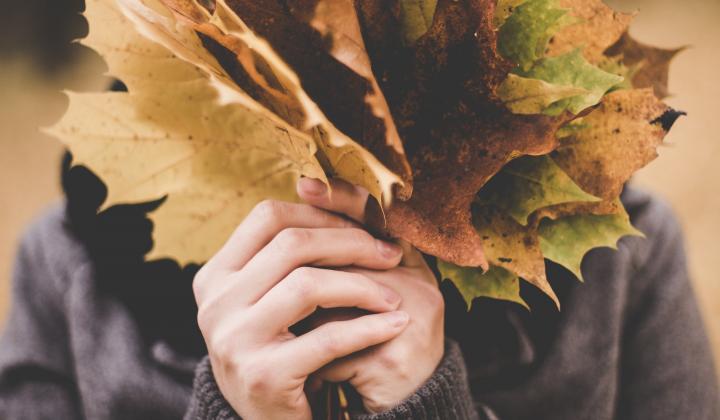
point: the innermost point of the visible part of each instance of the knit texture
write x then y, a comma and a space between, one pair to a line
628, 344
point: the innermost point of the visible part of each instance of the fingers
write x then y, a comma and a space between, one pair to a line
263, 223
307, 289
338, 339
344, 198
330, 247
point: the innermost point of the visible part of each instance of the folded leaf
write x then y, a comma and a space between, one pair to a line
528, 184
338, 20
621, 136
567, 240
308, 86
572, 69
533, 96
496, 283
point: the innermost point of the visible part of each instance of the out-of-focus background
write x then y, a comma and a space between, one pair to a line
36, 63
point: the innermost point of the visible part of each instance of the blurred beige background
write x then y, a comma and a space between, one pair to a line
687, 173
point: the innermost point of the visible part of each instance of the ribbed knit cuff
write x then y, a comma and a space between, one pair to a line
446, 395
207, 402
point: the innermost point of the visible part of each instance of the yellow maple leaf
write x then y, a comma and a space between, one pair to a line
170, 135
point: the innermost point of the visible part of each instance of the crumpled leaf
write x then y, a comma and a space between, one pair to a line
214, 162
416, 17
513, 247
596, 28
531, 183
338, 19
621, 136
525, 34
568, 239
533, 96
653, 63
253, 64
496, 283
572, 69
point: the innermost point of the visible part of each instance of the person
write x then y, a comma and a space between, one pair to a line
96, 332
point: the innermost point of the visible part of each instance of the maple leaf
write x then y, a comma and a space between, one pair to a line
653, 64
572, 69
455, 141
525, 34
297, 49
567, 240
213, 161
496, 283
523, 95
512, 247
528, 184
502, 130
620, 137
596, 27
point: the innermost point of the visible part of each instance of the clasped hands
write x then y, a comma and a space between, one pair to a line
283, 263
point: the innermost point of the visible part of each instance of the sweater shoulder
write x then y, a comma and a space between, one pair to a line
49, 248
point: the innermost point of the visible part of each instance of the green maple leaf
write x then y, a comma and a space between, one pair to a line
416, 17
572, 69
531, 183
526, 32
533, 96
568, 239
496, 283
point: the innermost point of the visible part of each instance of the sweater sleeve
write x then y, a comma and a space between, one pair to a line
667, 366
207, 402
446, 395
36, 379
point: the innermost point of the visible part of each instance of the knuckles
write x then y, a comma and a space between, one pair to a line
302, 282
269, 212
290, 240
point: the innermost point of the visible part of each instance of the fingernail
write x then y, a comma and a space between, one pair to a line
391, 296
398, 318
311, 186
388, 250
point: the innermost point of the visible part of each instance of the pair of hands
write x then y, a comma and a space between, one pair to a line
283, 263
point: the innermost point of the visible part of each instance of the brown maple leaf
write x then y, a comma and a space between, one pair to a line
457, 133
653, 62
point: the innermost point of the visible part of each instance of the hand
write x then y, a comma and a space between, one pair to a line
385, 375
263, 281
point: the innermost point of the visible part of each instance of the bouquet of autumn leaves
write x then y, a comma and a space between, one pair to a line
493, 135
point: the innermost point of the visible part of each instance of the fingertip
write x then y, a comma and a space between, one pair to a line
311, 188
398, 319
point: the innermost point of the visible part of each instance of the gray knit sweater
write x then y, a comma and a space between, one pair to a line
628, 344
